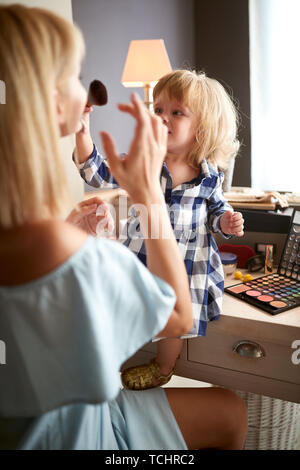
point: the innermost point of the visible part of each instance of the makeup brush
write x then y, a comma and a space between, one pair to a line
97, 94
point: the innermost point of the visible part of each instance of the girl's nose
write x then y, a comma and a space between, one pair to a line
165, 118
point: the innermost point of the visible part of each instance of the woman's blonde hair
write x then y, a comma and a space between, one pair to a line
217, 117
38, 51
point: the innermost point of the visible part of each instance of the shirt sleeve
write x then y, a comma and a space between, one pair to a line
217, 205
95, 171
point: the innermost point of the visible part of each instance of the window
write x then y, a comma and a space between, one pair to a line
275, 94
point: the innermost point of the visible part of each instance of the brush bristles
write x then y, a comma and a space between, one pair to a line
97, 93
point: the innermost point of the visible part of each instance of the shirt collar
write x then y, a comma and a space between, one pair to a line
206, 170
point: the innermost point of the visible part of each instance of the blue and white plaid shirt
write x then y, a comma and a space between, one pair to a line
195, 209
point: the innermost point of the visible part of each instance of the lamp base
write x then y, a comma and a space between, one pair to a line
148, 96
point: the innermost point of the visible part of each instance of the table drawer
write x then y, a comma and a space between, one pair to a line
225, 342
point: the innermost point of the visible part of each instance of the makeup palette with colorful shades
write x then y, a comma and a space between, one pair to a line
276, 293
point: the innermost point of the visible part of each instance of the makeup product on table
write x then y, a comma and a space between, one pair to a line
269, 259
243, 252
255, 263
276, 293
229, 262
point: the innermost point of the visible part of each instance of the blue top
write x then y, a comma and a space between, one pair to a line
195, 209
66, 335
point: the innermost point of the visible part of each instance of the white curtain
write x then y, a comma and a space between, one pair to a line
275, 94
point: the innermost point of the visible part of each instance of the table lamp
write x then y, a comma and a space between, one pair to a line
147, 61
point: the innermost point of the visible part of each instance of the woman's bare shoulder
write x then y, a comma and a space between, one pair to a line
66, 236
31, 251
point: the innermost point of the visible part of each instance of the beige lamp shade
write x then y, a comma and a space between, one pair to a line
147, 61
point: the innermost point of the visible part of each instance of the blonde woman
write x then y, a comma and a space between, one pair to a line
202, 135
73, 307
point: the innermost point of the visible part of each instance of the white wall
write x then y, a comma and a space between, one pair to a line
64, 8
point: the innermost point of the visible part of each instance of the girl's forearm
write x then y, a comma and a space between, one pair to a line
84, 147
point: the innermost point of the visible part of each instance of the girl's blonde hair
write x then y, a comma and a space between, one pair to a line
38, 51
217, 117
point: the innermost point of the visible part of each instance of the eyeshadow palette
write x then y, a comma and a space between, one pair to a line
276, 293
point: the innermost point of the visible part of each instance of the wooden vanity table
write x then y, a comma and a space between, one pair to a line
242, 329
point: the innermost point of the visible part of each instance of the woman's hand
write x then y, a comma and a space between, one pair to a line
139, 171
94, 217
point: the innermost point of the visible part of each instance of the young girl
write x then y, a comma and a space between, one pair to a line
202, 128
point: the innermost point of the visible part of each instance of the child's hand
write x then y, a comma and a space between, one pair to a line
232, 223
85, 121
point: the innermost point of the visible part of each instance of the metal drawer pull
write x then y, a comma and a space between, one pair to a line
249, 349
